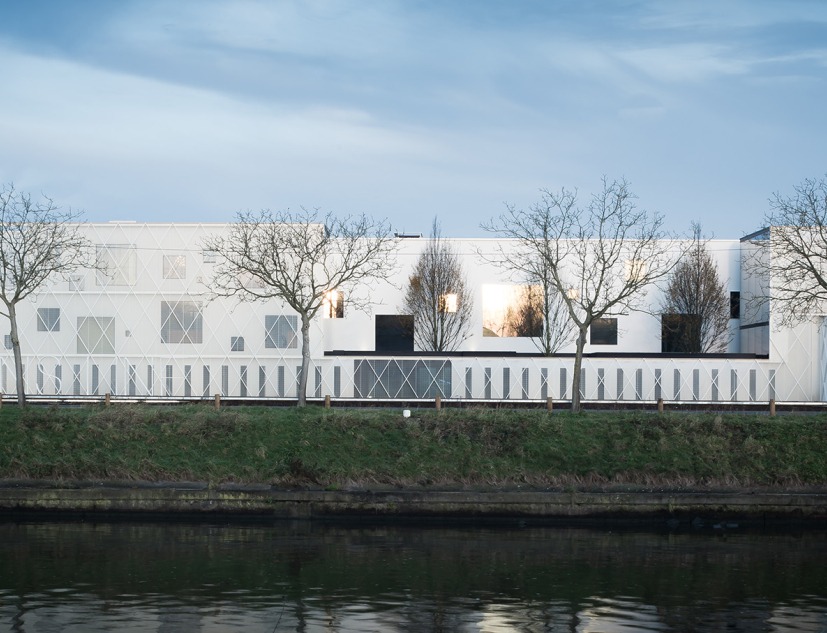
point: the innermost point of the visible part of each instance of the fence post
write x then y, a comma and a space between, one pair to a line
660, 406
772, 408
327, 402
218, 401
438, 403
107, 399
549, 404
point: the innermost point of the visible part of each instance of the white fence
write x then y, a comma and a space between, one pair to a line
725, 379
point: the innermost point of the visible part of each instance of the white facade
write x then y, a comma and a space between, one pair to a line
149, 327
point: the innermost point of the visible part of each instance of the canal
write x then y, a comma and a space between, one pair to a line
306, 576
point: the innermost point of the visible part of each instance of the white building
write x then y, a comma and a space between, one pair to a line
149, 327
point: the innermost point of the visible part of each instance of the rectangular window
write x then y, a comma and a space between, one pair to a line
509, 310
635, 269
735, 304
96, 335
187, 380
209, 257
181, 322
680, 334
175, 267
58, 378
48, 319
168, 381
236, 343
448, 303
243, 382
7, 341
334, 305
280, 331
117, 265
205, 380
262, 382
603, 332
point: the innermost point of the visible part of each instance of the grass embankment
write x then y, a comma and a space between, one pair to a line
460, 447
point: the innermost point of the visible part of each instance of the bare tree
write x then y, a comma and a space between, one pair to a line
301, 258
695, 306
793, 261
438, 297
599, 258
38, 241
525, 264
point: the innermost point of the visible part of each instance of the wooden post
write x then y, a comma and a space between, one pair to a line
218, 401
660, 406
549, 404
1, 400
327, 402
107, 399
438, 403
772, 408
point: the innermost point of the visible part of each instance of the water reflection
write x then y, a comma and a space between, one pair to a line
312, 577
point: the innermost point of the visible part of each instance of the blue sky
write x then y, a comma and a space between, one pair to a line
193, 110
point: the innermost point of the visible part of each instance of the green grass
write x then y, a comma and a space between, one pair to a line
371, 447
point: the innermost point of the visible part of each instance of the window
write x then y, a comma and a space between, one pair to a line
236, 343
394, 333
509, 310
448, 303
280, 331
680, 334
7, 341
96, 335
735, 304
48, 319
603, 332
209, 257
175, 266
117, 264
334, 304
181, 322
635, 269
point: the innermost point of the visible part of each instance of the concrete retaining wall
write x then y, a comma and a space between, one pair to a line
266, 502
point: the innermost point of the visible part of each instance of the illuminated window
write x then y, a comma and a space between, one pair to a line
635, 269
334, 305
48, 319
512, 310
448, 302
181, 322
117, 265
175, 266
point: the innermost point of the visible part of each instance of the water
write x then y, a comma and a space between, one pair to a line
63, 576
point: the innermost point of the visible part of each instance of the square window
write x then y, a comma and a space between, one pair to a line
48, 319
236, 343
117, 265
636, 269
448, 303
209, 257
181, 322
511, 310
280, 331
96, 335
603, 332
175, 266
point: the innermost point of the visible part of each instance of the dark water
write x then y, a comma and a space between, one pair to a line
315, 577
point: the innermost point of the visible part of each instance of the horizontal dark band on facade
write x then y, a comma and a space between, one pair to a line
505, 354
749, 326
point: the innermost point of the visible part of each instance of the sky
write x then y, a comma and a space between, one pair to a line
410, 110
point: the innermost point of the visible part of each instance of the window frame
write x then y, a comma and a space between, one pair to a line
48, 319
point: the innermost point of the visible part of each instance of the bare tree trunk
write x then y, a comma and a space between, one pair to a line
18, 358
305, 360
578, 363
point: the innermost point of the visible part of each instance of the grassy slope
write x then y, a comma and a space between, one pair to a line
476, 447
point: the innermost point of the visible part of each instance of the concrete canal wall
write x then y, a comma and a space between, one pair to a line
266, 502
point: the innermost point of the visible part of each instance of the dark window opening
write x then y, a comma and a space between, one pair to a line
680, 334
236, 343
734, 305
394, 333
603, 332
